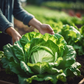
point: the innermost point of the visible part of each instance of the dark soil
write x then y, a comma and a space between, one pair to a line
14, 79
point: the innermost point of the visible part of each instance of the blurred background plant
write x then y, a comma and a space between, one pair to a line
65, 11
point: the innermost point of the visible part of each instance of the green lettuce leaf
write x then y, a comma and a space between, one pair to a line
41, 58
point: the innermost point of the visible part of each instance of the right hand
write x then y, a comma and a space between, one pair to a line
16, 37
14, 34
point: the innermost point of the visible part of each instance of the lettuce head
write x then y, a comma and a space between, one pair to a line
41, 58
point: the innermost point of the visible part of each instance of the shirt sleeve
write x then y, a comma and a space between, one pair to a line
21, 14
4, 23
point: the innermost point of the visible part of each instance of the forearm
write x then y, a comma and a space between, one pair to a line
21, 14
13, 33
35, 23
42, 28
4, 23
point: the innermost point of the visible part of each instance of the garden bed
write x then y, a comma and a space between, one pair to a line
4, 82
13, 79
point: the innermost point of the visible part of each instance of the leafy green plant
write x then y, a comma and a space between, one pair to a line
41, 57
82, 30
64, 5
71, 34
1, 54
44, 15
73, 37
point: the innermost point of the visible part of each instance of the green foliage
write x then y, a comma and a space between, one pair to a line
34, 2
71, 34
64, 5
44, 15
1, 54
73, 37
41, 57
82, 30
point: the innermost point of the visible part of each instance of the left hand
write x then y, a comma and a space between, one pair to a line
42, 28
45, 28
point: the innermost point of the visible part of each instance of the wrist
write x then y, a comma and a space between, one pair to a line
11, 31
35, 23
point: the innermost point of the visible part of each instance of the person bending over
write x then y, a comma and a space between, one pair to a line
10, 9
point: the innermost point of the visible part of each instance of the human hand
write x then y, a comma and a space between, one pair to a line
42, 28
14, 34
45, 28
16, 37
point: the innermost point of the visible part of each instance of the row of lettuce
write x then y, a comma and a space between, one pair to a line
45, 57
44, 14
62, 24
64, 5
74, 36
41, 58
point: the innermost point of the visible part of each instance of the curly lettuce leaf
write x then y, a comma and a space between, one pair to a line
41, 57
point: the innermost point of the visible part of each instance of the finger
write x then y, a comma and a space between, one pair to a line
14, 40
52, 33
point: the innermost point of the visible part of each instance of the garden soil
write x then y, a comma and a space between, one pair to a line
14, 79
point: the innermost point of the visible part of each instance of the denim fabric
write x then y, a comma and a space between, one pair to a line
8, 10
